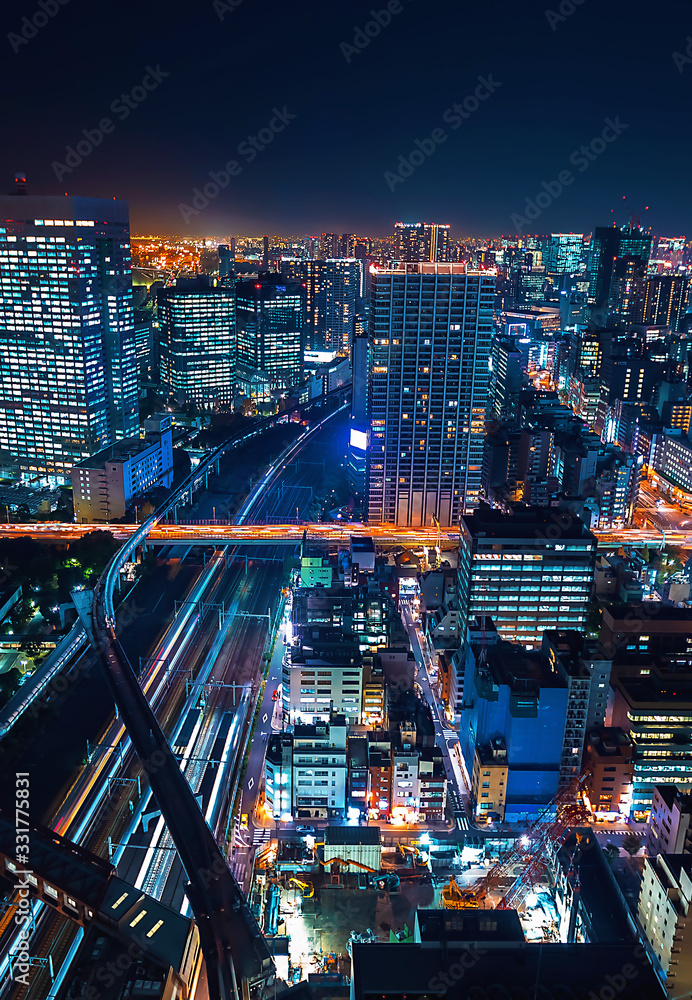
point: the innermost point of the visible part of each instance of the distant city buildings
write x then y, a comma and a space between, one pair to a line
431, 327
68, 366
418, 242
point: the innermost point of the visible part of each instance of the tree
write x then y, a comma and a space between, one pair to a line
611, 853
32, 647
9, 683
21, 614
631, 843
93, 551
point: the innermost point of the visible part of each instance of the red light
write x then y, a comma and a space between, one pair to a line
258, 286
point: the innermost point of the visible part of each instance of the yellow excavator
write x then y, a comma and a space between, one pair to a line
456, 898
307, 889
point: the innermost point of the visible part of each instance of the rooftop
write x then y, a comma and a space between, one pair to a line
336, 836
530, 523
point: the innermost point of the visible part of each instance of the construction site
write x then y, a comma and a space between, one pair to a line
315, 897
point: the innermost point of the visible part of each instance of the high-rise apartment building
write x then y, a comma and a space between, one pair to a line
68, 366
197, 340
330, 246
529, 571
331, 289
564, 253
421, 241
270, 324
430, 331
665, 296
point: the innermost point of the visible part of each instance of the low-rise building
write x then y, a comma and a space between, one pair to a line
104, 485
669, 828
320, 769
664, 911
489, 780
609, 766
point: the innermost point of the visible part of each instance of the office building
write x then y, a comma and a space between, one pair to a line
530, 571
477, 953
332, 286
507, 367
664, 911
68, 366
270, 328
665, 298
610, 244
655, 708
417, 242
226, 262
104, 485
609, 768
671, 457
564, 253
323, 675
669, 827
197, 341
430, 331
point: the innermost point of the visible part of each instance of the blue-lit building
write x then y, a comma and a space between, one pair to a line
197, 341
514, 697
270, 324
68, 366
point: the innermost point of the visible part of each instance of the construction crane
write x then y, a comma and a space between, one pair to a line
526, 863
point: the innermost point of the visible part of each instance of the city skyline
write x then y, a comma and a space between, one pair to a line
526, 107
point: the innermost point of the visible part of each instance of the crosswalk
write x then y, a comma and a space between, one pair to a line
239, 868
260, 836
450, 734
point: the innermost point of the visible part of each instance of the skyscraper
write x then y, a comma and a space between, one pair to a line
430, 331
665, 296
330, 246
331, 287
564, 253
607, 246
197, 340
68, 367
422, 241
270, 323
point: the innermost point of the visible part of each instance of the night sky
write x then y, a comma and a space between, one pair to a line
232, 63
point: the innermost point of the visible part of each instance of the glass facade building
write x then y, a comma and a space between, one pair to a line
564, 253
529, 572
270, 320
68, 367
430, 334
197, 341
